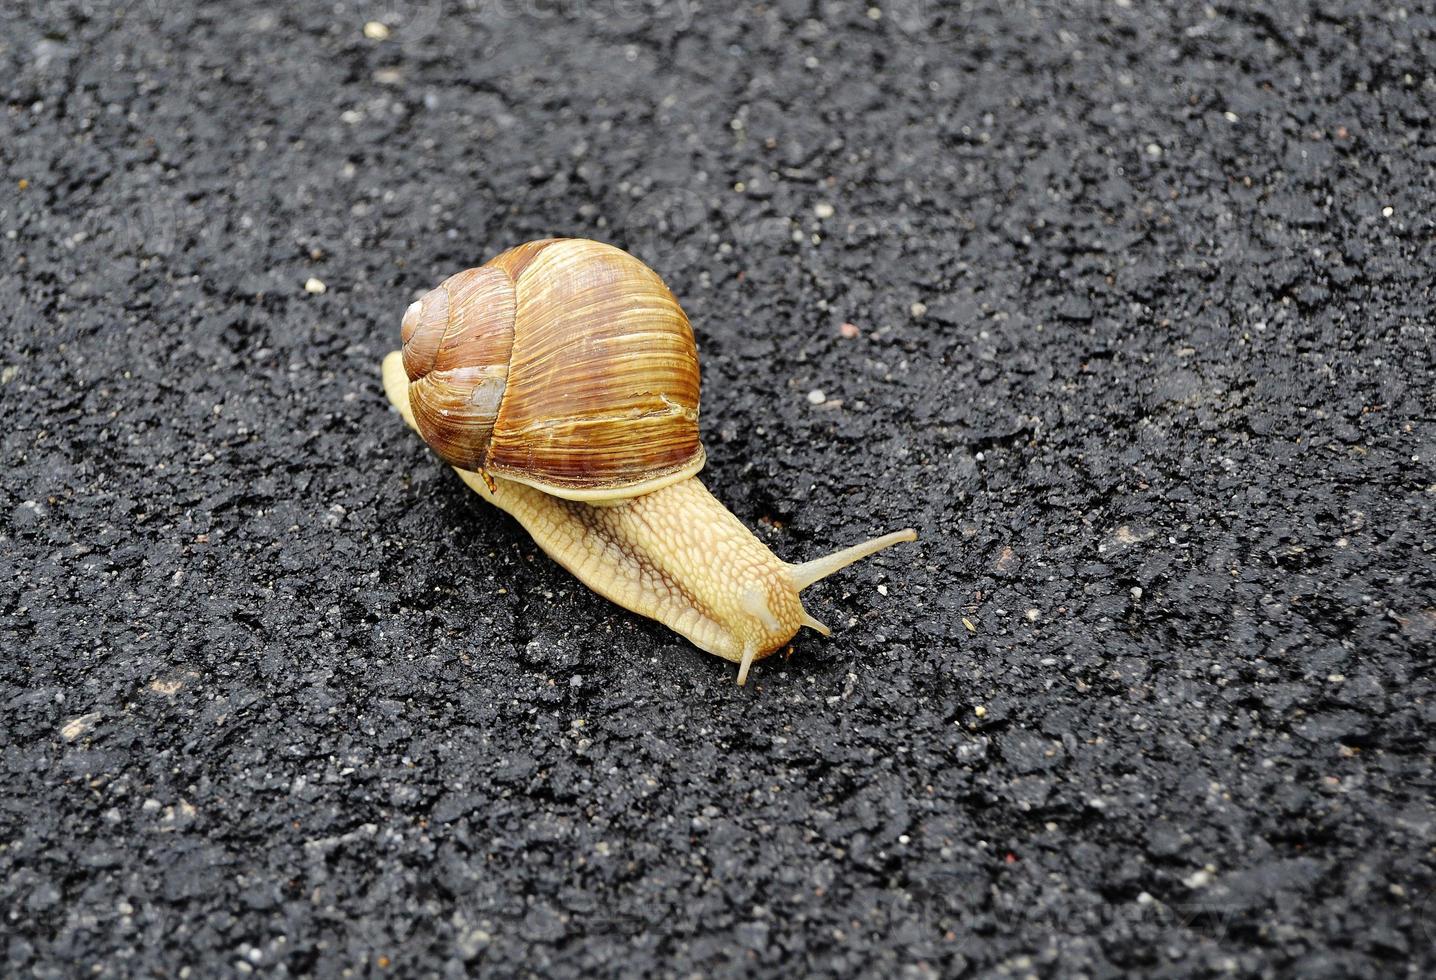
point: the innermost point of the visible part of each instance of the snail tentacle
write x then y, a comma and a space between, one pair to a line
804, 574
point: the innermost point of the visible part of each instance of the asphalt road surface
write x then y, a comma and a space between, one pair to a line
1126, 306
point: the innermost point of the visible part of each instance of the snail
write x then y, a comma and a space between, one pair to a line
560, 379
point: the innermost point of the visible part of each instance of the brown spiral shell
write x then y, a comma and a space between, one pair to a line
565, 364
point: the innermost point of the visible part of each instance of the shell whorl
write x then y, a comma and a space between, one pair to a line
457, 340
564, 364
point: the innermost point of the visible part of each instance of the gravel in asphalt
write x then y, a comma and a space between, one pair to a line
1126, 306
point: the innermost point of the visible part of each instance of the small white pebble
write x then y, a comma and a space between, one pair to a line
1153, 150
816, 397
1136, 592
76, 727
980, 711
875, 13
1230, 116
1387, 211
823, 209
917, 310
314, 286
882, 590
1198, 879
376, 30
904, 839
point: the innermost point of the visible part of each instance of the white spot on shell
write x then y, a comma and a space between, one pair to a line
486, 397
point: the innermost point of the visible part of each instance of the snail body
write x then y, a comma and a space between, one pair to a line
561, 381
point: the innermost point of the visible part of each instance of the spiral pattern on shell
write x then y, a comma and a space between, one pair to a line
565, 364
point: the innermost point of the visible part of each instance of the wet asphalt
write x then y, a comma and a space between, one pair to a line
1126, 306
